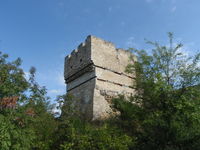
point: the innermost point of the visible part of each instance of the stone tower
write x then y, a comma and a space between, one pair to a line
94, 73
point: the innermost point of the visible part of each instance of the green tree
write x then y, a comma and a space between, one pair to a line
14, 133
73, 133
12, 80
26, 119
164, 114
42, 120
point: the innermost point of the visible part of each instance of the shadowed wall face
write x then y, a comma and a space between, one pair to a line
95, 73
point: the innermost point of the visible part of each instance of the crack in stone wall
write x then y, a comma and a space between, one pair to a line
119, 73
95, 73
84, 69
114, 83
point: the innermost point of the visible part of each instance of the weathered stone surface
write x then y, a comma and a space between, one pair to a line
83, 96
95, 73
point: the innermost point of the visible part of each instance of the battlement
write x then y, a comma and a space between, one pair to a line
95, 71
98, 52
78, 59
87, 42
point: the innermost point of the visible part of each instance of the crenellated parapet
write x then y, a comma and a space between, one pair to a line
94, 73
78, 60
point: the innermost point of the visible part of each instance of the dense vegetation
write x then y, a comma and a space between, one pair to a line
165, 112
163, 115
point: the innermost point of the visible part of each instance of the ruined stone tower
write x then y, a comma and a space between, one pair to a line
94, 73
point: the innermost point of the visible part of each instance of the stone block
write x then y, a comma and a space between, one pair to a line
95, 73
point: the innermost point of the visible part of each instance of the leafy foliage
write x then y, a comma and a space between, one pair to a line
30, 124
25, 118
76, 134
165, 112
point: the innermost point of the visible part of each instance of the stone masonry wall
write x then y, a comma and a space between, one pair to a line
95, 73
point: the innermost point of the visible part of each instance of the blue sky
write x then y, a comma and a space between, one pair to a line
43, 32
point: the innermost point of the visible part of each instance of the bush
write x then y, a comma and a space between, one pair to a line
165, 111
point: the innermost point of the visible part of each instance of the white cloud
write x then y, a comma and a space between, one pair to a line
56, 110
100, 24
173, 9
60, 4
54, 76
56, 91
184, 51
110, 8
122, 23
60, 78
130, 42
87, 11
53, 79
149, 1
26, 75
173, 1
187, 49
163, 1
